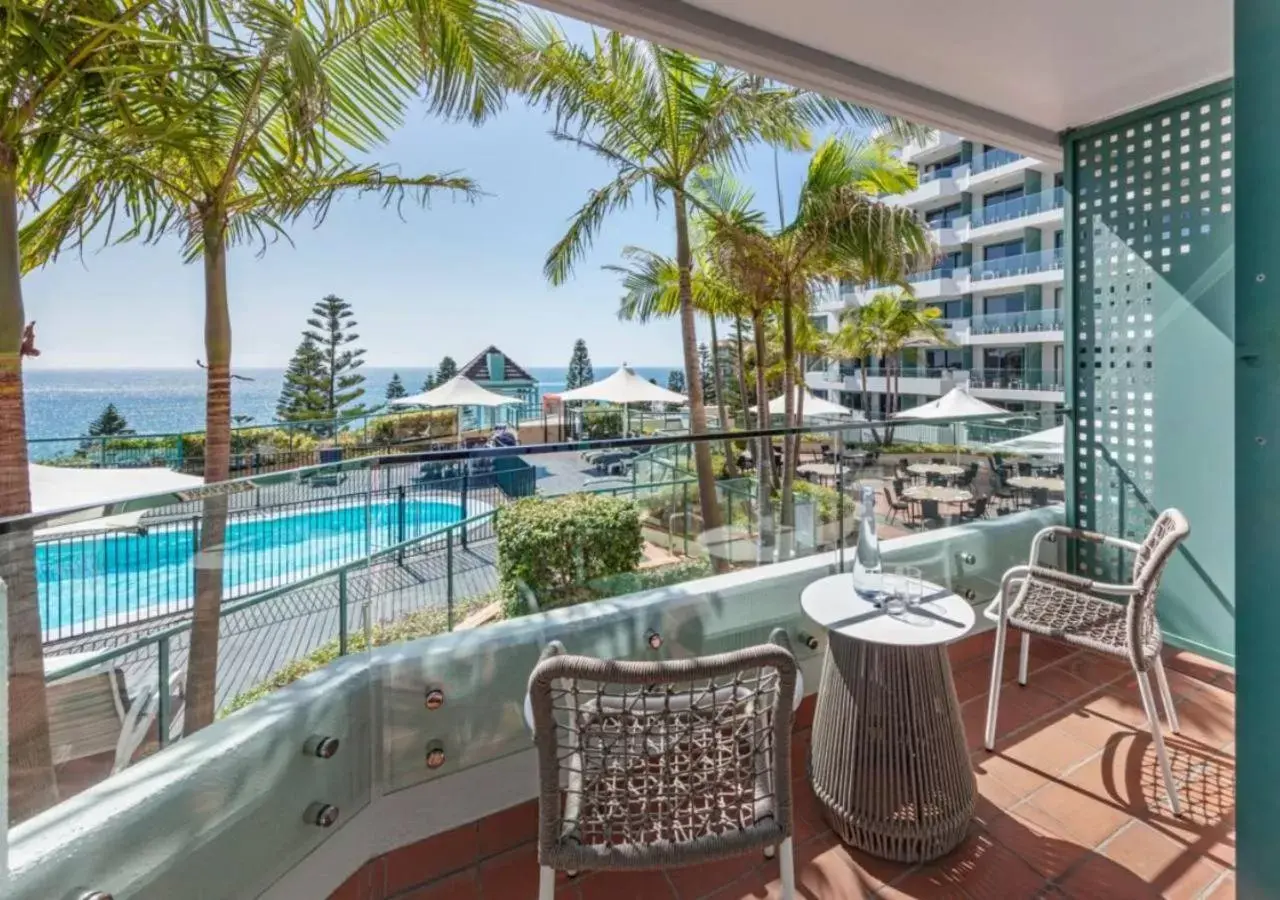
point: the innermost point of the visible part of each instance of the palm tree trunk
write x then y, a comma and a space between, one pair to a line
863, 362
789, 400
764, 446
741, 368
202, 665
689, 339
32, 786
730, 464
892, 382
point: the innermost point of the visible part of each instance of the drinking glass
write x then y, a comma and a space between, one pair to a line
908, 585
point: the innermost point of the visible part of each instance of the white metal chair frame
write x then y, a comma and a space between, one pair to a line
1007, 601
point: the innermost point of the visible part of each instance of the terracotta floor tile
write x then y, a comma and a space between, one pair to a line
1209, 717
509, 828
1061, 683
1098, 878
1175, 870
691, 882
1020, 707
431, 858
1038, 844
1051, 750
651, 885
511, 874
972, 680
1223, 890
1076, 814
980, 869
1193, 664
807, 818
1096, 668
828, 869
463, 885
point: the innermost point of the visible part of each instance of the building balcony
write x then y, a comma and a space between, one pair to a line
1041, 267
1029, 326
939, 145
993, 166
401, 765
1017, 384
1035, 211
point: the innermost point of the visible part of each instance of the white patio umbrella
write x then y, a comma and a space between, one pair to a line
456, 393
954, 406
813, 406
624, 387
58, 487
1050, 442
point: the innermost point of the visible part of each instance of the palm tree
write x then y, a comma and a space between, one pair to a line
63, 67
887, 324
854, 340
651, 289
657, 116
279, 95
839, 229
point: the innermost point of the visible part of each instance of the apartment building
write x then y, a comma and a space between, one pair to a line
997, 220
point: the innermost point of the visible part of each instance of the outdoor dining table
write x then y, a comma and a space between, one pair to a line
1029, 482
935, 469
824, 471
937, 492
888, 759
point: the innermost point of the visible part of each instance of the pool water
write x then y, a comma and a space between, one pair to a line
125, 577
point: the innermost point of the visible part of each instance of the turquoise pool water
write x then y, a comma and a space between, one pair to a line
108, 579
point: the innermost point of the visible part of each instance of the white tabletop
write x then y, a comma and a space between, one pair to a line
937, 492
935, 469
1027, 482
942, 617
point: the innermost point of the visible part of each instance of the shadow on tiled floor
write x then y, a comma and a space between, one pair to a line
1071, 806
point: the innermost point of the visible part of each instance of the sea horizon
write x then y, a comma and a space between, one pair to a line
62, 401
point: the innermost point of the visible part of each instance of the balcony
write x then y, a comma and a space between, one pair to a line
1040, 267
1034, 211
993, 167
413, 797
1007, 384
1028, 326
940, 144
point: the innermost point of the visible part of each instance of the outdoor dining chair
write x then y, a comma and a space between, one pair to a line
651, 764
1076, 610
896, 505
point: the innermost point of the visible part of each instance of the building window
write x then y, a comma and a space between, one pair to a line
944, 359
1003, 251
1057, 180
1004, 359
1057, 239
947, 163
950, 309
943, 218
1005, 303
1013, 193
819, 323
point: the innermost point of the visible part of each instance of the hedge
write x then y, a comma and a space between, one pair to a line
553, 548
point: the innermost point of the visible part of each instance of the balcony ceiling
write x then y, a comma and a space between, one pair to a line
1012, 72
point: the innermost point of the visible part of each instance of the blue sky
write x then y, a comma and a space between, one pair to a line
447, 279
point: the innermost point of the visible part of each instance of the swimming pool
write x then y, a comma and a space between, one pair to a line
116, 578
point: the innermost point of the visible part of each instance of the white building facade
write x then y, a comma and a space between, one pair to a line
998, 283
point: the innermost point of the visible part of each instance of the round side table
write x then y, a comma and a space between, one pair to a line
888, 759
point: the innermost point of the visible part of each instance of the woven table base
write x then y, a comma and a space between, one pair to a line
888, 760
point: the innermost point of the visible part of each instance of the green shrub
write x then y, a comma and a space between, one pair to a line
553, 548
647, 580
827, 499
602, 423
418, 624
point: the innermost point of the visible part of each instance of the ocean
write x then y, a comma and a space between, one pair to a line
62, 402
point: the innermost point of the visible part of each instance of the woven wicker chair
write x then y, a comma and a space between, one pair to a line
669, 763
1056, 604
